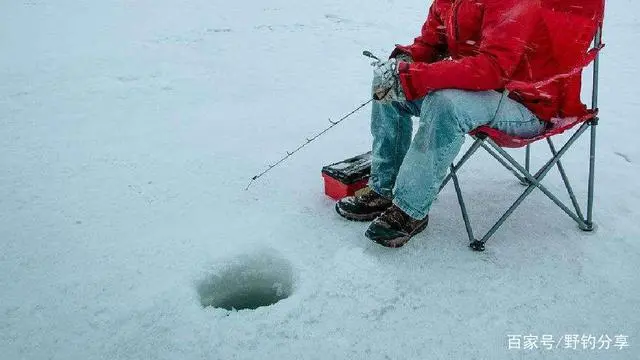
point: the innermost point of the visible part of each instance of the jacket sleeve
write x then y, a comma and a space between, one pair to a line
431, 42
505, 32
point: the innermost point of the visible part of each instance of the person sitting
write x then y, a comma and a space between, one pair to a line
453, 77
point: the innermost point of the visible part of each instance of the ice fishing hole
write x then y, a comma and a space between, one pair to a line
247, 282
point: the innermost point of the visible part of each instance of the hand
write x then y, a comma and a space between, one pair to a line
404, 57
401, 54
386, 83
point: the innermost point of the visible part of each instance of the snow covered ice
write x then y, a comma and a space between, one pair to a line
129, 131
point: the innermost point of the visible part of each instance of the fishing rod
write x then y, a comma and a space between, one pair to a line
308, 140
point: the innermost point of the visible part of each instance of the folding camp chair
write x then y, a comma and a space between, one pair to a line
493, 141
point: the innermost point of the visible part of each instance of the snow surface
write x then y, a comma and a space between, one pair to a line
131, 128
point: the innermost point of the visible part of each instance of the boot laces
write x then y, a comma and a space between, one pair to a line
395, 217
369, 196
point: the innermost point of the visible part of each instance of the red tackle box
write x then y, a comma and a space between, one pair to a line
346, 177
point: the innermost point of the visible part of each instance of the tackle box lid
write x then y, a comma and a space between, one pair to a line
350, 170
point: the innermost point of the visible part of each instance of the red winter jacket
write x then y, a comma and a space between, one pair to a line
498, 44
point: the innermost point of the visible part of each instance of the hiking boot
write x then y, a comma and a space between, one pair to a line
394, 227
364, 206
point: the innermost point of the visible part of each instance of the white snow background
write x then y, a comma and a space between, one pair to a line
129, 130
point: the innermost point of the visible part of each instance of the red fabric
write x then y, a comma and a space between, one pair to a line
559, 125
534, 48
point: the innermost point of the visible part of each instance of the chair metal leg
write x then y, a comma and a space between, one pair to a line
594, 122
507, 213
535, 182
535, 179
592, 165
463, 208
565, 179
504, 163
474, 147
596, 71
527, 164
527, 157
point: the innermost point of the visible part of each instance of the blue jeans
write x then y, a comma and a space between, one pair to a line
411, 171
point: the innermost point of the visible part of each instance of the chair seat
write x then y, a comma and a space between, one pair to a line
558, 126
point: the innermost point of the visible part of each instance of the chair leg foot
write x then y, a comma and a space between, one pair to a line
588, 227
477, 245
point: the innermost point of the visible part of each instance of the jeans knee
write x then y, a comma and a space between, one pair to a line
437, 106
442, 107
440, 100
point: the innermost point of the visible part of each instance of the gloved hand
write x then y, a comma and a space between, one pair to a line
404, 57
386, 82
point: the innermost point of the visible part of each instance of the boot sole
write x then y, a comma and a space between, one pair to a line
357, 217
401, 241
